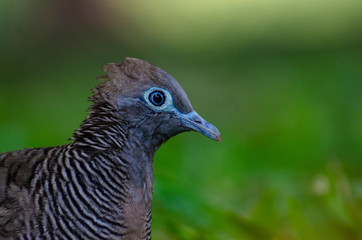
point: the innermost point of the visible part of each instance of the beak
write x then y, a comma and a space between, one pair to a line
193, 121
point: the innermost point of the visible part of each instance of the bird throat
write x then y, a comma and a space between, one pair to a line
131, 148
138, 206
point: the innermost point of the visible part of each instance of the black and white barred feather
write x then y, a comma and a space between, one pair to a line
99, 186
74, 191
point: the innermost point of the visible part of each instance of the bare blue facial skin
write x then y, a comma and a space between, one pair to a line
191, 120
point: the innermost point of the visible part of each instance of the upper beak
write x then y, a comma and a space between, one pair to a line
195, 122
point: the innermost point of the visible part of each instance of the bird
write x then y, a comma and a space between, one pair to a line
100, 184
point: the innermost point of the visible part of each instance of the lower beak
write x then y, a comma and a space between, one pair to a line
195, 122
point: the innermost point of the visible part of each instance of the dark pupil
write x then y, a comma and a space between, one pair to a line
157, 98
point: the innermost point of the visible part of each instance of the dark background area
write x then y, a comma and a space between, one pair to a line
282, 81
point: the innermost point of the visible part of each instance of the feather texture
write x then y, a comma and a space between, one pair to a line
100, 185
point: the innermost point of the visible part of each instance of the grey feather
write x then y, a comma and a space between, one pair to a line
100, 185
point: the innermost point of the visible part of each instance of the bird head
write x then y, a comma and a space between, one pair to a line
153, 103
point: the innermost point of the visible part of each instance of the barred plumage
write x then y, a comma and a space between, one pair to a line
100, 185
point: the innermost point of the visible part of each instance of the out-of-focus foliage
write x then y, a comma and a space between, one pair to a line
282, 80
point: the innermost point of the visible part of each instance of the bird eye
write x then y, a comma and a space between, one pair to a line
157, 98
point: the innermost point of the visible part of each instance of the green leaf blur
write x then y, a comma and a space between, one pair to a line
282, 81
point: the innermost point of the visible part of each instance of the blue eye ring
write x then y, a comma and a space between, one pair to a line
157, 98
164, 101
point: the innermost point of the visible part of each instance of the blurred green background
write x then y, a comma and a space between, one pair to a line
282, 80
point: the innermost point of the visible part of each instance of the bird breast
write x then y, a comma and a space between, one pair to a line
137, 210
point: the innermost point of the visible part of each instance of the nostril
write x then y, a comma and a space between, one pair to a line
198, 121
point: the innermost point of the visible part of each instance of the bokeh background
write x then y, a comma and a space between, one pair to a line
282, 80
